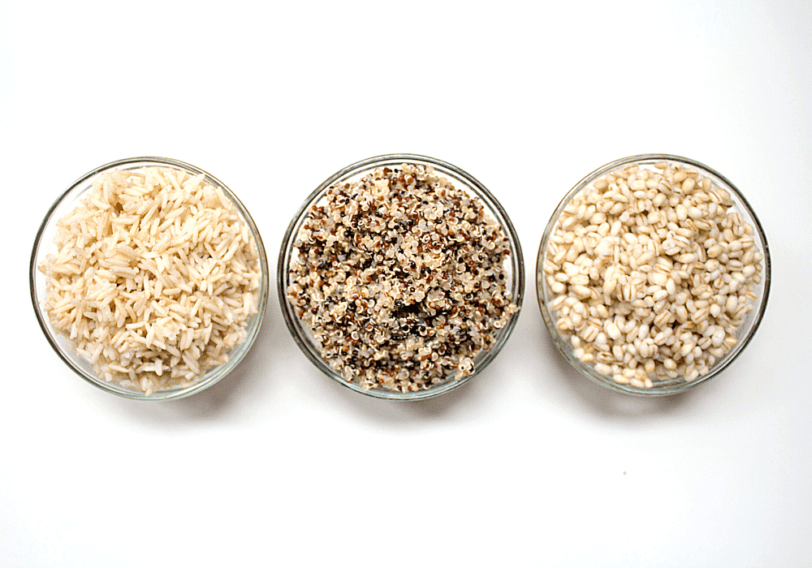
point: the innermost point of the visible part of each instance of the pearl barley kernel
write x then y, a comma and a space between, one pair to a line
665, 271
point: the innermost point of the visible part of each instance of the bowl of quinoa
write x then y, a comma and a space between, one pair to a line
653, 274
401, 277
149, 278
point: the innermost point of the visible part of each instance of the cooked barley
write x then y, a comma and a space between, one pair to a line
664, 267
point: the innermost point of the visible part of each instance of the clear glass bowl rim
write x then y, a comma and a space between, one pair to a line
214, 375
565, 349
517, 268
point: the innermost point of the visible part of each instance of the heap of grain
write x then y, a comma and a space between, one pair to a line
401, 278
154, 278
651, 271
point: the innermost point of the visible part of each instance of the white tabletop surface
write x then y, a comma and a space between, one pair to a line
527, 465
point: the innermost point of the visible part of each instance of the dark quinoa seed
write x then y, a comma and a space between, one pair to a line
399, 287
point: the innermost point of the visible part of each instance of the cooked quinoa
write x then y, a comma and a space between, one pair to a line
401, 278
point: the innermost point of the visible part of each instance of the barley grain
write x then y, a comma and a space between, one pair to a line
669, 271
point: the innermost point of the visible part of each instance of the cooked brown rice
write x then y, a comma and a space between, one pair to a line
154, 278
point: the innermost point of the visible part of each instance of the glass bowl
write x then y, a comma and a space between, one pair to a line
462, 180
43, 245
744, 332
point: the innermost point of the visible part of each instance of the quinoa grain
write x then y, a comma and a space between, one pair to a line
400, 277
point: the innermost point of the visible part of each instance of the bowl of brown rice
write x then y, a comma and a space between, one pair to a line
401, 277
149, 278
653, 274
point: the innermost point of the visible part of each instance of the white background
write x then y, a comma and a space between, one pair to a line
529, 464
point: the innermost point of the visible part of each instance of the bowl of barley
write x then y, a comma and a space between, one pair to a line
653, 274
